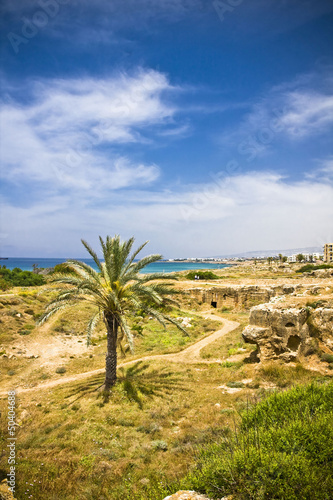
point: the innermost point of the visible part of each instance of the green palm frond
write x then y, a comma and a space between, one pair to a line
56, 308
127, 332
83, 270
92, 325
157, 276
150, 259
93, 254
131, 259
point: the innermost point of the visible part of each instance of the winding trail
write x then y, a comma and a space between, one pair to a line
189, 355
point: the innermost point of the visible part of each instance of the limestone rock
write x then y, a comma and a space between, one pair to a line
239, 296
286, 334
322, 273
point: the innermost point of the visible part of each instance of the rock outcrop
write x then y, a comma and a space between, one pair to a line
239, 296
287, 334
320, 273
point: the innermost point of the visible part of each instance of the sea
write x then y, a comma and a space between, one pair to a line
26, 264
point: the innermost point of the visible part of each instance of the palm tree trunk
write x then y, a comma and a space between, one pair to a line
111, 355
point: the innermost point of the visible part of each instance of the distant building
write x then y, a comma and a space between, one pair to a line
328, 252
308, 257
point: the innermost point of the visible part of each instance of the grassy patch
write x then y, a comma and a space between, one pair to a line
284, 376
229, 344
282, 449
79, 446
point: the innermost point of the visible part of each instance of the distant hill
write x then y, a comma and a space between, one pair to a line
272, 253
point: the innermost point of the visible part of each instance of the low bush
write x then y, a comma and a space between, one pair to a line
327, 357
159, 445
283, 449
313, 267
61, 369
315, 304
17, 277
202, 275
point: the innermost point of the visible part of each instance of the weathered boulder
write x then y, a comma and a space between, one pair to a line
287, 334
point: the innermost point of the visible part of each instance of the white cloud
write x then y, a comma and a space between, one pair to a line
293, 111
61, 136
306, 113
324, 171
258, 210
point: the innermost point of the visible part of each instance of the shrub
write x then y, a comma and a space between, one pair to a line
203, 275
315, 304
31, 312
24, 332
283, 449
17, 277
61, 369
236, 385
4, 284
312, 267
327, 357
159, 445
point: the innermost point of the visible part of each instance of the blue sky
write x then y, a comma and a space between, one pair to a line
202, 126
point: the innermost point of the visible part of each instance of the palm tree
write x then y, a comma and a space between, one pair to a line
116, 291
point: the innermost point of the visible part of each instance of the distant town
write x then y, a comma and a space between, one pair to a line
325, 256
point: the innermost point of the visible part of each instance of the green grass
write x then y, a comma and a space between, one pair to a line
229, 344
282, 449
81, 447
203, 275
282, 375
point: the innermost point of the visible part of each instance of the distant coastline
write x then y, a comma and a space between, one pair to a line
167, 266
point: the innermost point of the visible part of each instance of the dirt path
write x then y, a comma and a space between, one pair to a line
189, 355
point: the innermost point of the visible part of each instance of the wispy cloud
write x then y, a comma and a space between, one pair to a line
65, 132
292, 111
